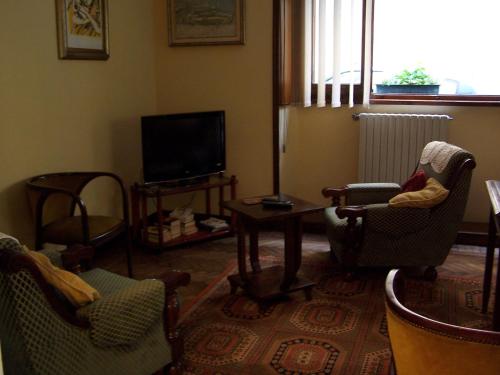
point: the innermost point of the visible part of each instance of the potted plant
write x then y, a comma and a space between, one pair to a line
409, 82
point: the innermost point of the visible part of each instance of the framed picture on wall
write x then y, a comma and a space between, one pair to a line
82, 29
206, 22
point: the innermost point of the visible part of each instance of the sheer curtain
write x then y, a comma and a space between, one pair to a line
320, 27
307, 29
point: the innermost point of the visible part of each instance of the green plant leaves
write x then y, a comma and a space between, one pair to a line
416, 77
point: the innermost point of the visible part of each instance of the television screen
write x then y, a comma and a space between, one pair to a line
183, 146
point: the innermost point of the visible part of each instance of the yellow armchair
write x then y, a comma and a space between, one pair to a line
422, 346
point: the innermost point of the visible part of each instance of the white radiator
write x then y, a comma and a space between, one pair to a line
391, 144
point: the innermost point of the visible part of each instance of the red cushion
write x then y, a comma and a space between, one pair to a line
415, 182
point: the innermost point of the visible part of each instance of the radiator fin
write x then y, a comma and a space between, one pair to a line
391, 144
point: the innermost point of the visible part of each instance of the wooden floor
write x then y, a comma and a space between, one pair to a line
205, 261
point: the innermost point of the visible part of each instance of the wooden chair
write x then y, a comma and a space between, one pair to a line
69, 228
421, 345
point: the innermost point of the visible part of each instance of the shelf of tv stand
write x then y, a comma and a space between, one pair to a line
201, 235
141, 218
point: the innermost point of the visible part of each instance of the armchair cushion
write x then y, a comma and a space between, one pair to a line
415, 182
54, 257
77, 291
122, 317
430, 196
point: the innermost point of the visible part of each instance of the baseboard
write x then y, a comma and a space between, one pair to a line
474, 234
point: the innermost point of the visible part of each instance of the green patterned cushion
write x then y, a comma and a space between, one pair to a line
126, 312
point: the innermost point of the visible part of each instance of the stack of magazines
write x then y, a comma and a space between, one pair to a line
186, 218
214, 224
170, 229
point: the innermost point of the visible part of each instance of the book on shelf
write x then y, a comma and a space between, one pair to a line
172, 223
168, 233
155, 238
189, 231
214, 224
188, 225
184, 215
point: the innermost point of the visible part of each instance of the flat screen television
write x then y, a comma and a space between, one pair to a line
180, 147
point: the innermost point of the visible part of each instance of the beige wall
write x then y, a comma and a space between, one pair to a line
84, 115
234, 78
322, 149
59, 115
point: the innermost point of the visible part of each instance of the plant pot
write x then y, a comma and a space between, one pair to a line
408, 89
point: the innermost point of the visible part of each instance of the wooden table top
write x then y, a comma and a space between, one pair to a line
258, 212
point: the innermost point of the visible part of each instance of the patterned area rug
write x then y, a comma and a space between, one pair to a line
341, 331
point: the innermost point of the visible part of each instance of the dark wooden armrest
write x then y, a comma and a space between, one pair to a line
175, 279
352, 238
77, 256
335, 194
351, 212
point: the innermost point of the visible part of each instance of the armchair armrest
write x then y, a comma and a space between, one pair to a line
396, 221
54, 257
351, 212
335, 194
370, 193
174, 279
125, 316
362, 193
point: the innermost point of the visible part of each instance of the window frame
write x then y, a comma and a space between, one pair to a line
398, 99
453, 100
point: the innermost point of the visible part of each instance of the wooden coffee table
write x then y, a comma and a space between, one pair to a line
272, 282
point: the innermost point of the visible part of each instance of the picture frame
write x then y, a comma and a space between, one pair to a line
82, 29
206, 22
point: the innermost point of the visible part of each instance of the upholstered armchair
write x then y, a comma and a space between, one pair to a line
131, 329
364, 230
421, 345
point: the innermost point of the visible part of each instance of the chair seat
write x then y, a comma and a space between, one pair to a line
69, 230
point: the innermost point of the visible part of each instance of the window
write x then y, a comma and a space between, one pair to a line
348, 44
445, 47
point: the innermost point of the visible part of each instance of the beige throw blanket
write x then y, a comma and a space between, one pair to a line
438, 154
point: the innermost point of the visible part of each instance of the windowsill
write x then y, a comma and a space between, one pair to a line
450, 100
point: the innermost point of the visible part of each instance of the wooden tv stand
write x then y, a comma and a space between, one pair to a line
141, 219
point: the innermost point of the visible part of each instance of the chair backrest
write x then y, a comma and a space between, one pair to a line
67, 184
424, 346
456, 176
445, 162
30, 311
57, 196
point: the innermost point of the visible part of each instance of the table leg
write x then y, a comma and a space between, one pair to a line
254, 248
242, 252
496, 306
298, 243
293, 251
488, 267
